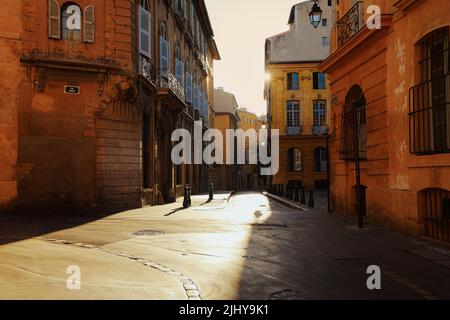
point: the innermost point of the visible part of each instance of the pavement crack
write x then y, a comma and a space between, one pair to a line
190, 288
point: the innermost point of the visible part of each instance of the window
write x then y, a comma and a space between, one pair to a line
320, 117
429, 101
295, 159
319, 81
71, 22
434, 209
354, 112
293, 117
293, 81
179, 66
145, 29
325, 41
329, 3
164, 47
320, 159
324, 22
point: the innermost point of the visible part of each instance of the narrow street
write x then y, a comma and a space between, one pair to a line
242, 247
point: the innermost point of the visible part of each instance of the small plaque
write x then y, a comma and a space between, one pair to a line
71, 89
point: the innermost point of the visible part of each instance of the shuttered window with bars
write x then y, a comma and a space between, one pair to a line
429, 101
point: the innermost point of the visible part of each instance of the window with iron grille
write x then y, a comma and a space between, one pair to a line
429, 101
295, 158
434, 209
320, 159
353, 130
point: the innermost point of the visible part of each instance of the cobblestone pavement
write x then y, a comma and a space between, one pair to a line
244, 247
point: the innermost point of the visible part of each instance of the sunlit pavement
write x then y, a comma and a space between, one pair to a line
245, 247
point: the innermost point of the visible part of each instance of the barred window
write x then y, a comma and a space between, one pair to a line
353, 130
429, 101
320, 159
434, 209
295, 158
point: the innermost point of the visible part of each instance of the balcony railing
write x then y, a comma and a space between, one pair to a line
292, 131
350, 24
320, 130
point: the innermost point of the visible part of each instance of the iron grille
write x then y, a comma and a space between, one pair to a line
351, 23
436, 213
354, 126
429, 101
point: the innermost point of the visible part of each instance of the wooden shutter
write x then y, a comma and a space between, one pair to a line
188, 87
164, 56
54, 20
89, 24
145, 22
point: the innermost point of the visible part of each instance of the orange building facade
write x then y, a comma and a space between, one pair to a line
91, 92
391, 89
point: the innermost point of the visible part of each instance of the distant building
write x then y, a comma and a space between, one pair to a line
298, 97
227, 177
250, 177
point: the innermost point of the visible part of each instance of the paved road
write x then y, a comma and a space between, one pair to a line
252, 248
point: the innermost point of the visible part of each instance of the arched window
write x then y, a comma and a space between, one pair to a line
164, 48
71, 21
354, 132
429, 100
295, 160
320, 159
145, 29
434, 209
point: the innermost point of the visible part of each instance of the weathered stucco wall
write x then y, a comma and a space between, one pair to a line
10, 30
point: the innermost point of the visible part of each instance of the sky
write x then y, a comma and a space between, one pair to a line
240, 29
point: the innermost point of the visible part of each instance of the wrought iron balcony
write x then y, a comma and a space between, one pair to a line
146, 69
165, 79
292, 131
351, 23
320, 130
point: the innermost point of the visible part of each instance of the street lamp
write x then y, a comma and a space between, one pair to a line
315, 16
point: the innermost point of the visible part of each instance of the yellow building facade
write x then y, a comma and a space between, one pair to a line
299, 101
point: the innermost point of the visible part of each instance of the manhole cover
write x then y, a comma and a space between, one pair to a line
148, 233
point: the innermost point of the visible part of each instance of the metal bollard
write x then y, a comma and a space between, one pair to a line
211, 191
311, 203
303, 197
189, 195
186, 197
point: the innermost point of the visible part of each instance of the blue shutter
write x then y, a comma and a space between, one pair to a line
164, 56
144, 32
188, 87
